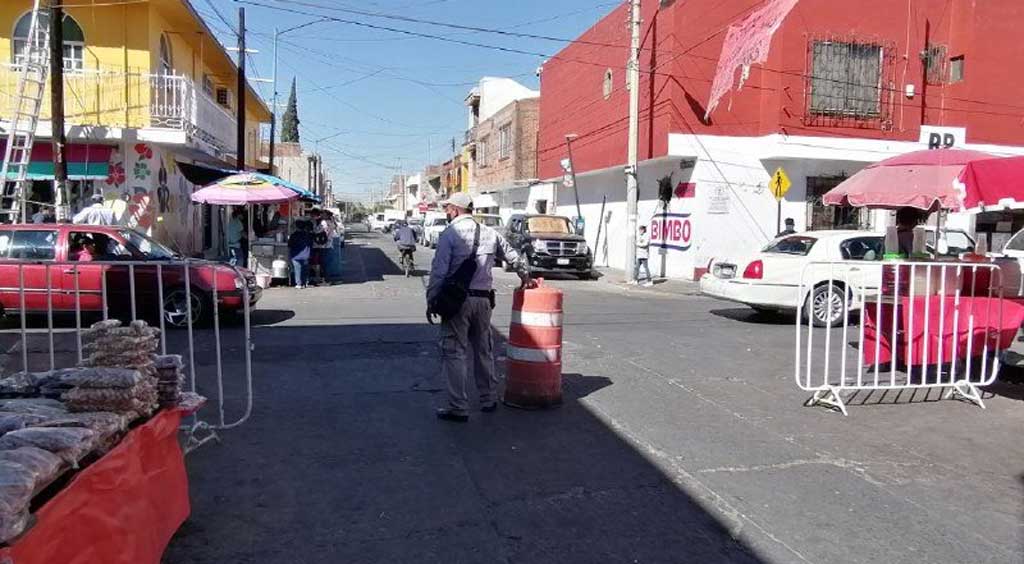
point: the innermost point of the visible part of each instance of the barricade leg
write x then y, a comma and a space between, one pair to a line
965, 390
830, 397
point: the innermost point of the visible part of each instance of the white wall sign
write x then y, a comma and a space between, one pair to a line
935, 137
718, 201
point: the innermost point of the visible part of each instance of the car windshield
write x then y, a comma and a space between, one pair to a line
795, 245
957, 242
148, 247
548, 225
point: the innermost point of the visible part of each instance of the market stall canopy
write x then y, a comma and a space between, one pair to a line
920, 179
302, 192
85, 161
245, 188
993, 184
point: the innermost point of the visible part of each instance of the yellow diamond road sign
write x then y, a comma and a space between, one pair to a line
780, 183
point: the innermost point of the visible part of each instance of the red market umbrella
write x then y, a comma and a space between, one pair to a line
920, 179
993, 184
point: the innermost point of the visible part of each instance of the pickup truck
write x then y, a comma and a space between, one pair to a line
550, 245
75, 268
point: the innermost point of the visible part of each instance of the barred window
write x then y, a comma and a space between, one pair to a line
846, 79
505, 141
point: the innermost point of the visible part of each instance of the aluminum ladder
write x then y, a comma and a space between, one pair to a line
28, 103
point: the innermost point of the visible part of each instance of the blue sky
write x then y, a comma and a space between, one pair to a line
383, 99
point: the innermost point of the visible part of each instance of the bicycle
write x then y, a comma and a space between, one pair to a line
408, 262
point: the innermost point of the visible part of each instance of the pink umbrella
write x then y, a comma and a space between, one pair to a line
993, 184
243, 189
921, 179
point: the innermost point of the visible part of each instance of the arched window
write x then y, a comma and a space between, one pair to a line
74, 40
166, 56
609, 84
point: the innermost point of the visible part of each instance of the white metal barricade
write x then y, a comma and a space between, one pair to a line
47, 304
899, 326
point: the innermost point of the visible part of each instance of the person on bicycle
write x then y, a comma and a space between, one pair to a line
405, 237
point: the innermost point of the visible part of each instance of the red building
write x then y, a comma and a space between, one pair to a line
842, 84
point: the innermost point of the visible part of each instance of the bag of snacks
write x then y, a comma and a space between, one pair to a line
68, 443
103, 378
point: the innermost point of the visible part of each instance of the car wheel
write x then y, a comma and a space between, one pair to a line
823, 311
176, 312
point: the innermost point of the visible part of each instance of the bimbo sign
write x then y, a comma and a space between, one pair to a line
943, 137
672, 231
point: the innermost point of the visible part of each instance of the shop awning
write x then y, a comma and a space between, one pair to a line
202, 175
85, 161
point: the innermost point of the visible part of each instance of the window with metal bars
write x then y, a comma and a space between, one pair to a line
846, 79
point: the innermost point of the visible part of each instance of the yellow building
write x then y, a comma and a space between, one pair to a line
147, 86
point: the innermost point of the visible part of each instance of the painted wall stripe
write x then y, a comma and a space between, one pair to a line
537, 319
532, 355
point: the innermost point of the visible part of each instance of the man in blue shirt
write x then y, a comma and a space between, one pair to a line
466, 341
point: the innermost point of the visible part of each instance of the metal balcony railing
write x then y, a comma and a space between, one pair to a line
136, 100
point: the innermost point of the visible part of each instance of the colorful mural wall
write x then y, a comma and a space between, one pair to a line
148, 192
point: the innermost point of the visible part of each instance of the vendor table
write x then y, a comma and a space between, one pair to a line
123, 508
995, 320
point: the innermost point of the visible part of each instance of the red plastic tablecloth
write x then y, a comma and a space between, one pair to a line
998, 329
124, 508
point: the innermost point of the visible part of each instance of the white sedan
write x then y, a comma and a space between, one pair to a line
770, 280
432, 231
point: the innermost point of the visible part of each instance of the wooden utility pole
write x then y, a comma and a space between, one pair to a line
240, 151
60, 165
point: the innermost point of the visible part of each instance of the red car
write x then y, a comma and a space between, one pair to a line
91, 254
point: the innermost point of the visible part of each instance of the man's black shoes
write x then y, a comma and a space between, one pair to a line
447, 414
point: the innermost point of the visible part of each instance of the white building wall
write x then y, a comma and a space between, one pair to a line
733, 213
496, 93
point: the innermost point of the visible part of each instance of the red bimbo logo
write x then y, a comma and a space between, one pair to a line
672, 231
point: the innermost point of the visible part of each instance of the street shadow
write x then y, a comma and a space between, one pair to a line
367, 263
753, 316
345, 462
267, 317
1007, 389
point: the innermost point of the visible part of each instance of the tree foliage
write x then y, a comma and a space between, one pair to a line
290, 121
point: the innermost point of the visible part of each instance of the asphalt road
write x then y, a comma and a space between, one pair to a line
682, 439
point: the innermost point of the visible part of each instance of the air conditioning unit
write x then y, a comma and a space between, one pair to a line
225, 97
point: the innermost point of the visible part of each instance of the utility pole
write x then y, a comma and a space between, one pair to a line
60, 164
575, 187
240, 151
633, 70
273, 105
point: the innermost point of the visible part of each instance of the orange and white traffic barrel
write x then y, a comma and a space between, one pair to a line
535, 348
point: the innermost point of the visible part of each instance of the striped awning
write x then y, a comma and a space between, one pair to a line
85, 161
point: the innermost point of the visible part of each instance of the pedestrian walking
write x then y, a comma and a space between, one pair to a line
461, 293
236, 232
643, 246
300, 246
95, 214
790, 228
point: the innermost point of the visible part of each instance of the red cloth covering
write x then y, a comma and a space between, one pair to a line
1000, 332
993, 184
124, 508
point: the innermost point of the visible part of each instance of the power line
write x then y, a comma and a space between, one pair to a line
221, 17
578, 41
